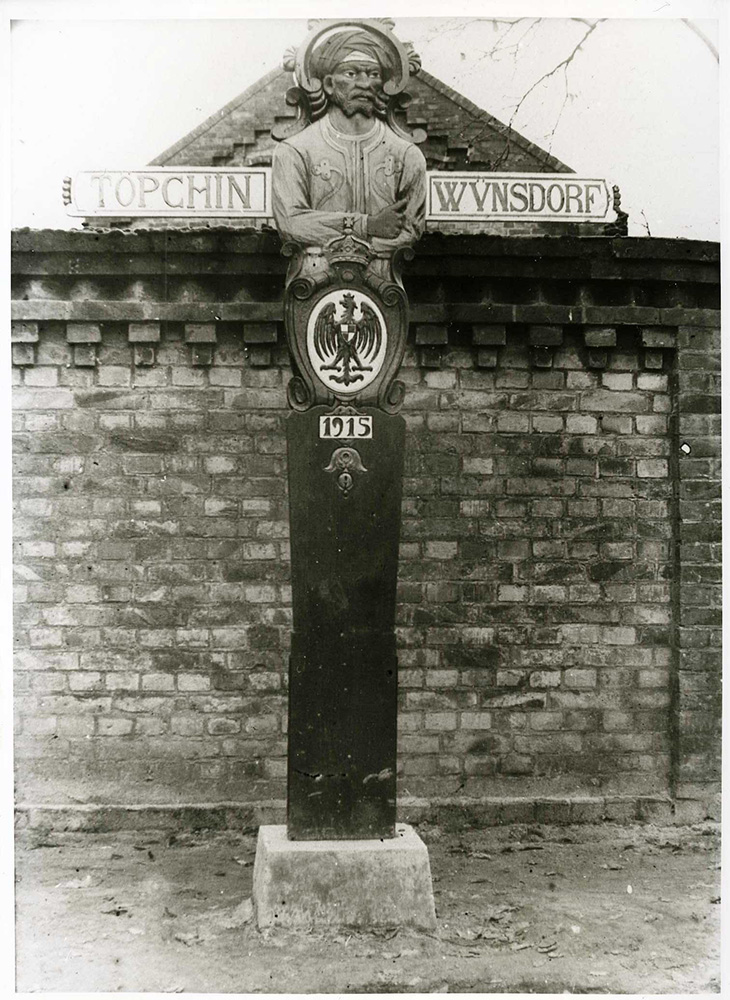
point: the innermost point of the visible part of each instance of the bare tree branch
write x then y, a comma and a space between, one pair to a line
459, 24
566, 98
514, 48
509, 43
700, 34
563, 64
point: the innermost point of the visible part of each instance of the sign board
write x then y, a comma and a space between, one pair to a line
479, 196
211, 192
245, 192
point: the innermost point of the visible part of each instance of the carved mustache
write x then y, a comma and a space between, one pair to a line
371, 96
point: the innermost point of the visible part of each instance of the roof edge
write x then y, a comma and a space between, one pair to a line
488, 119
260, 84
443, 88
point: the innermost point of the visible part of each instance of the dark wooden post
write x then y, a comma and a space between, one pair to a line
345, 483
343, 673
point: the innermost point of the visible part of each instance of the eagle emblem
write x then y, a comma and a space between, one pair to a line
346, 341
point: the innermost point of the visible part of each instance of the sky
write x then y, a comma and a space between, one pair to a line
638, 103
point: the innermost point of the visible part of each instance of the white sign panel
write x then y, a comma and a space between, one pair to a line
478, 196
232, 192
245, 192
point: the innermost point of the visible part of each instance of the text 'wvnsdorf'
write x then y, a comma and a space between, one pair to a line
479, 195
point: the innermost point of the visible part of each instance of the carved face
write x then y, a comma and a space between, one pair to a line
354, 87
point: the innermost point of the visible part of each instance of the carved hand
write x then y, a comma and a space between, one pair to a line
389, 222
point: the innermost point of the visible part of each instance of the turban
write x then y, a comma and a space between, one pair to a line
339, 46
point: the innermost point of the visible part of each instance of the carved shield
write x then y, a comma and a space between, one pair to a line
346, 319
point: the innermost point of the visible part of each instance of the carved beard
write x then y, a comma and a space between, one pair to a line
364, 103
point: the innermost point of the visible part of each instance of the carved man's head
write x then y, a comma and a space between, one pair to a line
353, 65
355, 86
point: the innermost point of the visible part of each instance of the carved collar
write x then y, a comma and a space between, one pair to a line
341, 141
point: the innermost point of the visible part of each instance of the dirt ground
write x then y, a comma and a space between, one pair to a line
521, 909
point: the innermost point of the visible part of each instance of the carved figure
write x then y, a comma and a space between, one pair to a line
349, 199
347, 166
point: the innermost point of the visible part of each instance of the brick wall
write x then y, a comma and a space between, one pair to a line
698, 527
559, 578
460, 134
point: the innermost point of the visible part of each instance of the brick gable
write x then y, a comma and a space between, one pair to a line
460, 134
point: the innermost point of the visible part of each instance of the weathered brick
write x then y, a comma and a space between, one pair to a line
126, 680
653, 383
38, 377
71, 726
600, 336
580, 679
616, 381
24, 332
43, 399
478, 466
547, 424
475, 720
114, 375
610, 401
658, 336
193, 682
113, 726
439, 721
158, 682
40, 725
513, 423
516, 764
657, 468
83, 333
262, 725
442, 678
441, 550
144, 333
223, 726
545, 679
186, 725
83, 594
49, 682
44, 637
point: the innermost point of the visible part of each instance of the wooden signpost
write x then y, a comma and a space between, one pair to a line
349, 194
349, 197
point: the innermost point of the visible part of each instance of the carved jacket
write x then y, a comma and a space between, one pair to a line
321, 177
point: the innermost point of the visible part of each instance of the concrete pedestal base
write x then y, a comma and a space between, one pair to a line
342, 883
